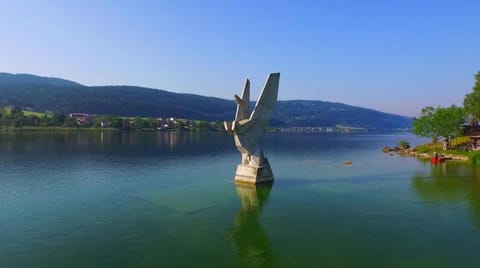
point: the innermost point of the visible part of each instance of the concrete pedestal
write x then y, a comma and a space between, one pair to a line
254, 174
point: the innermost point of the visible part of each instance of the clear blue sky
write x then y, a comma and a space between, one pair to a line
393, 56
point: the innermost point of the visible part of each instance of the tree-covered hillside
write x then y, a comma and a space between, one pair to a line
304, 113
63, 96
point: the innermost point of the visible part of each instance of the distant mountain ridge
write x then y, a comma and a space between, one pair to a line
64, 96
6, 78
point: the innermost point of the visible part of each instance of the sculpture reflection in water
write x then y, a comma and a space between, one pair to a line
250, 243
451, 183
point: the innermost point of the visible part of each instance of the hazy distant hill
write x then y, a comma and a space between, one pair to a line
59, 95
18, 79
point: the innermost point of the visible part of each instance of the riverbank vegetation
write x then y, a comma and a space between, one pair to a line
450, 124
14, 118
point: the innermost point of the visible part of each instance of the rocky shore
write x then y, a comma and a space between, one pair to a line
412, 152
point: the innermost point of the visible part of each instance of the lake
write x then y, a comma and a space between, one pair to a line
166, 199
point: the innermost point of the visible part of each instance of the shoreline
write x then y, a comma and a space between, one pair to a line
73, 129
412, 152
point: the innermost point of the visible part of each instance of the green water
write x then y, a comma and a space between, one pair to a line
92, 199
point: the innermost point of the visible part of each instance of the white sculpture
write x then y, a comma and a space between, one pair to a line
248, 129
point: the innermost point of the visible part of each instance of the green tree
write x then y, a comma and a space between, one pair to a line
424, 126
152, 123
403, 144
70, 122
17, 117
46, 121
471, 103
141, 123
4, 117
450, 121
439, 122
202, 126
116, 122
58, 120
180, 124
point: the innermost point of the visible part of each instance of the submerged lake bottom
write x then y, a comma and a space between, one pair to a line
168, 199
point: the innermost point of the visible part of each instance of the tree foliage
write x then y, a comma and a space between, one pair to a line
15, 118
471, 103
439, 122
12, 117
424, 126
450, 121
403, 144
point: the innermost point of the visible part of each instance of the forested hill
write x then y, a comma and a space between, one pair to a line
63, 96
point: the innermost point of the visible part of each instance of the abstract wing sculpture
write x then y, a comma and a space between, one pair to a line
248, 129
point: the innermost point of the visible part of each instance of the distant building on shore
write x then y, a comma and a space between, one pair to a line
82, 118
474, 133
320, 129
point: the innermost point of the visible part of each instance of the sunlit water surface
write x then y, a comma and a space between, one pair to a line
92, 199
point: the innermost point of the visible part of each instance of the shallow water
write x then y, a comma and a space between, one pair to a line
92, 199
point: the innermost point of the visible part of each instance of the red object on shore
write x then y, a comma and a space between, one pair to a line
437, 160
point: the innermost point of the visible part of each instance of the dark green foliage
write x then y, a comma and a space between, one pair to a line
439, 122
471, 103
12, 117
403, 144
450, 120
62, 96
474, 157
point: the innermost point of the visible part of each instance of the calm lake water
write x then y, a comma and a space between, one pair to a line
91, 199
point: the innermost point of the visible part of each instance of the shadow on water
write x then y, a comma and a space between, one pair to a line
249, 241
451, 183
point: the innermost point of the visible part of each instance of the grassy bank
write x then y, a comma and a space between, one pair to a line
460, 148
457, 145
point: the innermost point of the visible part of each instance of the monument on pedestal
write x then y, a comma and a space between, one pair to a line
248, 128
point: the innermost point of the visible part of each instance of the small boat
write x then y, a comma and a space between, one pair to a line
437, 160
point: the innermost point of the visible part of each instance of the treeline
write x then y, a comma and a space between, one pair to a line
450, 122
17, 118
